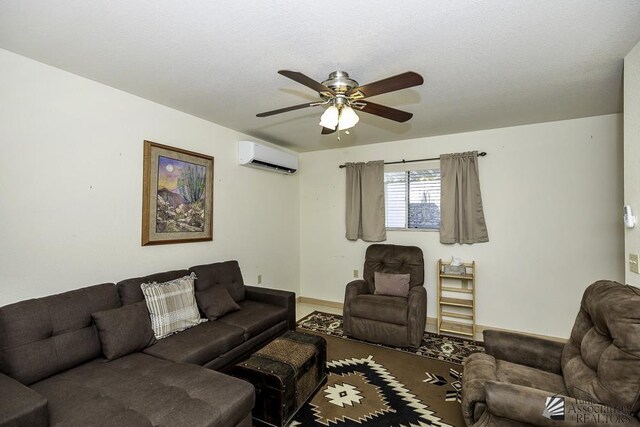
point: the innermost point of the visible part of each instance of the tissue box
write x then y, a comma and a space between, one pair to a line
455, 269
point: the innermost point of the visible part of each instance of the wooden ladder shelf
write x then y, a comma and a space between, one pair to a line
456, 301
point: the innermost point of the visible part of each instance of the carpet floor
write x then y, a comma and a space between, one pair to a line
375, 385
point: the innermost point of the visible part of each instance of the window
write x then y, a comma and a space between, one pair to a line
412, 199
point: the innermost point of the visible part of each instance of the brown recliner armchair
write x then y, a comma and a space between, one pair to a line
391, 320
593, 379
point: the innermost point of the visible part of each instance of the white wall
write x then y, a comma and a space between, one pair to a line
632, 154
552, 195
71, 189
71, 184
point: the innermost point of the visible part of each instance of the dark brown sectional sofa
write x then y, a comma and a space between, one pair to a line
52, 369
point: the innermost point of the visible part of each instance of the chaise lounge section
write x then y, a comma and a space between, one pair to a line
53, 369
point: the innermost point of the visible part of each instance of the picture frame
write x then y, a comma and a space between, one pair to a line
177, 195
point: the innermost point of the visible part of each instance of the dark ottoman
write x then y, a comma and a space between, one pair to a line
285, 373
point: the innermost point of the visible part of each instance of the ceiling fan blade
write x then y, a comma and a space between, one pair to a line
327, 131
390, 84
307, 81
284, 110
383, 111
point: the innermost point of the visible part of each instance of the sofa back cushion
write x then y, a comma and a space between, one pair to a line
41, 337
601, 360
394, 259
129, 289
225, 273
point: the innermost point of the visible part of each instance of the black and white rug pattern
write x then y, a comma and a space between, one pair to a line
455, 393
361, 391
439, 347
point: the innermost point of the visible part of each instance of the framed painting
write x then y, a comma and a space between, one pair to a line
177, 195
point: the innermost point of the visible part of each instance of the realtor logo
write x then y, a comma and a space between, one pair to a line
554, 408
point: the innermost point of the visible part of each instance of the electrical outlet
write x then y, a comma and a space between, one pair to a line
355, 273
259, 279
633, 263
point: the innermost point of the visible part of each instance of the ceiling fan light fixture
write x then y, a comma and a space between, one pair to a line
329, 118
348, 118
341, 93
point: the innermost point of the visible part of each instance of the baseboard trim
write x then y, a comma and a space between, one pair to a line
430, 320
315, 301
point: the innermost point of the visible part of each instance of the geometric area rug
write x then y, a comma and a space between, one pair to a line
374, 385
440, 347
370, 385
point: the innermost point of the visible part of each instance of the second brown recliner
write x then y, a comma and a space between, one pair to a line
592, 379
384, 319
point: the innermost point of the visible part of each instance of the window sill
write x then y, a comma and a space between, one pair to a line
421, 230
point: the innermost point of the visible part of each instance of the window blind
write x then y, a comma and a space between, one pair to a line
412, 199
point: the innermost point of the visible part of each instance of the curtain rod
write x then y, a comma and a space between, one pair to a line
482, 154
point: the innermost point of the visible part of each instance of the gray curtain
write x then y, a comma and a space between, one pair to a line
365, 201
461, 213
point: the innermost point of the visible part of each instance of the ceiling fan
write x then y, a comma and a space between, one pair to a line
343, 94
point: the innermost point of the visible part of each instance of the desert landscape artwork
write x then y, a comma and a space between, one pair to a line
178, 193
181, 196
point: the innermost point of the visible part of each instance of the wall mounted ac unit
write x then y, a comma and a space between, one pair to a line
260, 156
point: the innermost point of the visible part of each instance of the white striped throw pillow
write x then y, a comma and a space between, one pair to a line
172, 305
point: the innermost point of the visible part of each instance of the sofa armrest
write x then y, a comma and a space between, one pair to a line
527, 405
525, 350
417, 315
20, 405
277, 297
353, 289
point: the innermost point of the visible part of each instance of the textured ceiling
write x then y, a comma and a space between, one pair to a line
486, 64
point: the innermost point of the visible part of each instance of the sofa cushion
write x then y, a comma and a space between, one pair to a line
382, 308
124, 330
172, 305
198, 345
141, 390
255, 317
246, 348
601, 360
41, 337
225, 273
396, 285
130, 291
216, 302
514, 373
